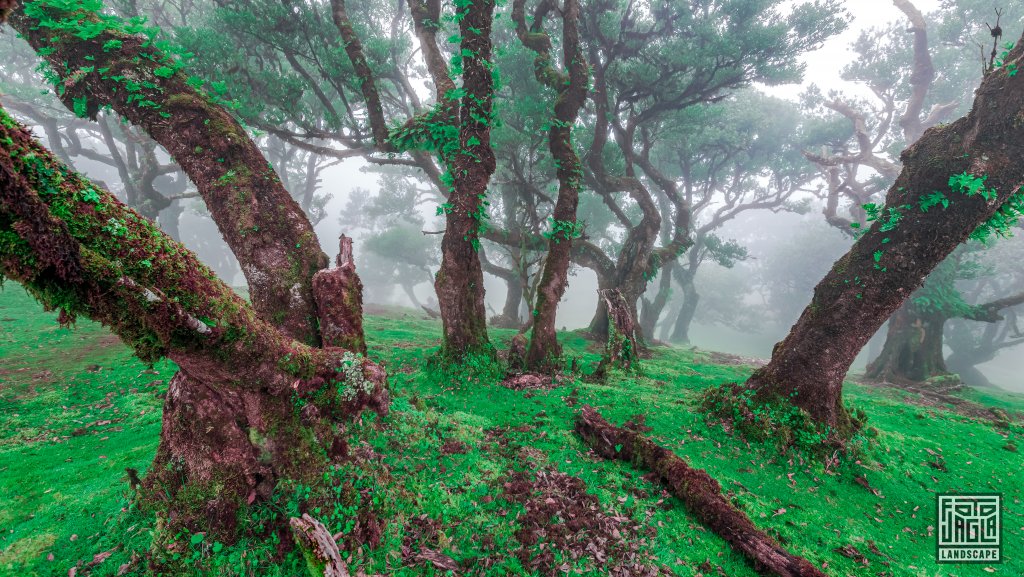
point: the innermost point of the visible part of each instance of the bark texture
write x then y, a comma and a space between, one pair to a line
339, 302
460, 280
371, 97
250, 405
701, 494
621, 350
261, 223
884, 267
318, 547
571, 86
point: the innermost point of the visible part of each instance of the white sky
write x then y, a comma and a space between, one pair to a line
825, 64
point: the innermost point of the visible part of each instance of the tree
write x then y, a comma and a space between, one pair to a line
910, 96
974, 164
738, 155
255, 400
544, 353
644, 72
913, 349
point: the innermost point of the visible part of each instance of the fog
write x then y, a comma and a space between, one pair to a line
760, 266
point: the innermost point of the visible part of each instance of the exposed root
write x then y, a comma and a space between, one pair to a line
701, 494
928, 395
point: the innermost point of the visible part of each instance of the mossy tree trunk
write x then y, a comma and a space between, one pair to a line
913, 347
250, 405
884, 267
468, 158
261, 223
460, 280
544, 352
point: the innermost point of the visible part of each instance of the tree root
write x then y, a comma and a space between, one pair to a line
701, 494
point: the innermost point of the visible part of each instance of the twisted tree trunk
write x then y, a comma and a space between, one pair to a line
261, 223
460, 280
249, 407
884, 267
544, 352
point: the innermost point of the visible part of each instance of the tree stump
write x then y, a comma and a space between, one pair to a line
339, 302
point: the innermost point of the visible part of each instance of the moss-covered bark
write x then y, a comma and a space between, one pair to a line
460, 281
544, 351
891, 260
339, 300
250, 405
701, 494
621, 349
261, 223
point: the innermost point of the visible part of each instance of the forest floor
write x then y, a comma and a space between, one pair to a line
471, 478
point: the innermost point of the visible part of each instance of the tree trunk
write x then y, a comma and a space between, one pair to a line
913, 347
621, 349
249, 407
652, 310
544, 352
460, 281
885, 267
510, 317
260, 221
681, 331
170, 219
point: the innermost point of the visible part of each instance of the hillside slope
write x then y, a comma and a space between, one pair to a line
467, 477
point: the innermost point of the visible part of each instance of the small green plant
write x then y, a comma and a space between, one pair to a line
355, 381
776, 419
563, 230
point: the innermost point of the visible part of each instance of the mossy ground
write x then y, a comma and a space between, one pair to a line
76, 409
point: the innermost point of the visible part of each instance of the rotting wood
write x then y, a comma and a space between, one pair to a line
338, 293
701, 494
318, 546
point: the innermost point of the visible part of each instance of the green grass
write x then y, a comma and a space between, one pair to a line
76, 409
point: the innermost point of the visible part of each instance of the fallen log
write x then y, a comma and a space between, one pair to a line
701, 494
319, 547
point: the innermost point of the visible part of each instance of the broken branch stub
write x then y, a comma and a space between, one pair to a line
338, 293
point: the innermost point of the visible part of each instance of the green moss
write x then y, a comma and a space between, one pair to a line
814, 506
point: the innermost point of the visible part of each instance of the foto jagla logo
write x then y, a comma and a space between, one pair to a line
970, 528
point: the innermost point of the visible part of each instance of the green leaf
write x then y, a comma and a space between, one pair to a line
164, 72
80, 106
197, 538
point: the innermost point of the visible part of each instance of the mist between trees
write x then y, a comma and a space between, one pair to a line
615, 168
700, 173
